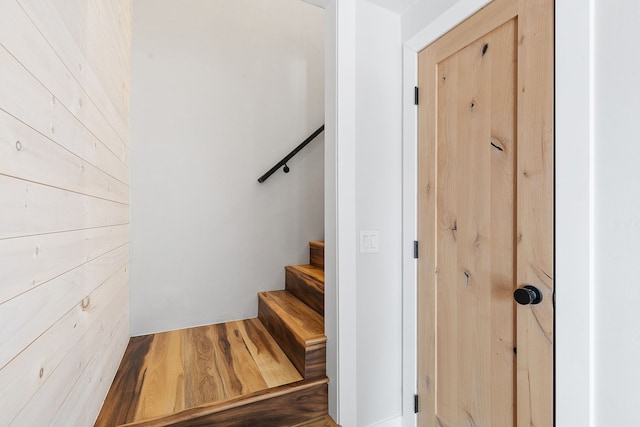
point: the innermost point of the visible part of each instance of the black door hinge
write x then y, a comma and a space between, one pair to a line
415, 249
415, 95
415, 403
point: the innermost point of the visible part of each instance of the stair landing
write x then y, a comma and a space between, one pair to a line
169, 372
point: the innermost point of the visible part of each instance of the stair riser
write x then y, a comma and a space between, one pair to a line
309, 361
306, 288
316, 254
316, 362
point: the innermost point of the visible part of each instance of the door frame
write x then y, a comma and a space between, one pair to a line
574, 210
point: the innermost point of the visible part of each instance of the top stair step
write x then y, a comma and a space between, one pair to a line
316, 254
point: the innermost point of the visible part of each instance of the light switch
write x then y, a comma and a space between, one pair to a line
369, 241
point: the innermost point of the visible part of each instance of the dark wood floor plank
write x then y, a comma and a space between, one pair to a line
163, 388
121, 403
241, 362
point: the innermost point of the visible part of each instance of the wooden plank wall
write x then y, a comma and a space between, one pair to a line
64, 206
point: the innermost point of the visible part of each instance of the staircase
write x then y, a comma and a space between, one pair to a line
291, 319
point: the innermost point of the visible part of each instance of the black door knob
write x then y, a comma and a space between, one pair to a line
527, 295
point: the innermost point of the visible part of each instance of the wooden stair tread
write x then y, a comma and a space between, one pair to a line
161, 373
305, 324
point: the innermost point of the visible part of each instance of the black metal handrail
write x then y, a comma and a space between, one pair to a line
288, 157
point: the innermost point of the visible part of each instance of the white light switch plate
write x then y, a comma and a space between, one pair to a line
369, 241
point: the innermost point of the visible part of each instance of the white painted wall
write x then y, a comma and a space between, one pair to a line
340, 244
379, 207
616, 210
363, 151
574, 216
64, 207
220, 92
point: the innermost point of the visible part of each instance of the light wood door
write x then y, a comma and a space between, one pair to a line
485, 208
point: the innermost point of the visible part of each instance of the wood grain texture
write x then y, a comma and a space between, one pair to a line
163, 390
49, 23
47, 359
166, 373
29, 209
427, 228
535, 205
286, 405
64, 210
20, 35
296, 328
275, 366
306, 282
42, 160
31, 103
485, 181
28, 316
316, 254
121, 403
29, 262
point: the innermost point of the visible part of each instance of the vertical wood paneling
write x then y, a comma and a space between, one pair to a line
64, 207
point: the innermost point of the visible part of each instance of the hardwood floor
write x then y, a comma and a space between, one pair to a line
172, 371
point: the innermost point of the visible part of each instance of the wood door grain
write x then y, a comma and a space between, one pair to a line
535, 211
481, 134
